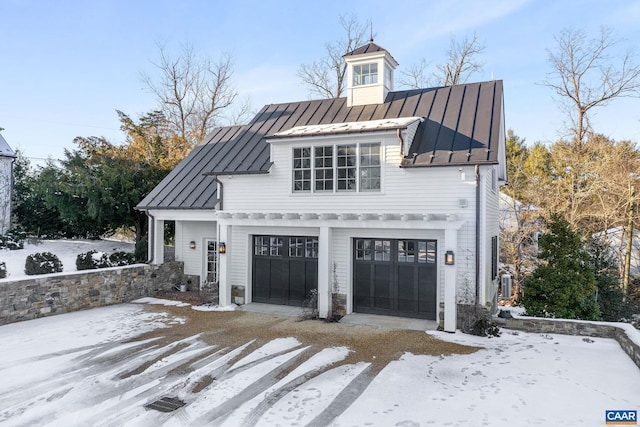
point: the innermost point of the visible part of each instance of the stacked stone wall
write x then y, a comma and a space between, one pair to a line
576, 327
49, 294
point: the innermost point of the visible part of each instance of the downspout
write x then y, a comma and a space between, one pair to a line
401, 141
477, 236
220, 191
152, 227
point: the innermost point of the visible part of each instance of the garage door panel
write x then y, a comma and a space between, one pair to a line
407, 294
278, 284
383, 292
395, 277
285, 269
363, 285
261, 279
297, 282
427, 291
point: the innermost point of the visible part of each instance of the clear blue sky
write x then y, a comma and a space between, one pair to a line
67, 65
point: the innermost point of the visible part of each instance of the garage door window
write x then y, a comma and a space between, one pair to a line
268, 246
416, 251
293, 247
303, 247
311, 248
376, 250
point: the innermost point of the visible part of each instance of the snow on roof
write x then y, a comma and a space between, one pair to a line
348, 127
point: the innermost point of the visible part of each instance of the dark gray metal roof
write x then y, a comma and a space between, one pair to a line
371, 47
461, 127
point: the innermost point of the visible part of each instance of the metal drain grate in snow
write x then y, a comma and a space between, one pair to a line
166, 404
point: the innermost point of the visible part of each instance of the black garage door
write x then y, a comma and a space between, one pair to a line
395, 277
285, 269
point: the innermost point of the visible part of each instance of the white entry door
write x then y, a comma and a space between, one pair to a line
211, 262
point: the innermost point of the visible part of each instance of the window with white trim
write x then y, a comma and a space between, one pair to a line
387, 77
337, 168
301, 169
323, 168
369, 167
365, 74
347, 167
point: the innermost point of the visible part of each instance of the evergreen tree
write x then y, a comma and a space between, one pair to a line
30, 211
613, 307
563, 285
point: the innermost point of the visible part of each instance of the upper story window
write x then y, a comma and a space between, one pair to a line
301, 169
337, 168
365, 74
387, 77
369, 167
323, 162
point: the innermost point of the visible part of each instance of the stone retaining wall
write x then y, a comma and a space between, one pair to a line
57, 293
575, 327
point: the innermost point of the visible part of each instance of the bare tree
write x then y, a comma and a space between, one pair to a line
415, 77
326, 77
461, 62
241, 113
193, 91
584, 75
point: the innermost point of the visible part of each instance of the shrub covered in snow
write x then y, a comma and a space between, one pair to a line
91, 260
96, 259
13, 240
120, 258
3, 270
42, 263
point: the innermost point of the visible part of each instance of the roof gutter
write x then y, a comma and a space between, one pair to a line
220, 191
477, 275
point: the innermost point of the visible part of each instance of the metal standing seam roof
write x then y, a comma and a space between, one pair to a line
370, 47
461, 127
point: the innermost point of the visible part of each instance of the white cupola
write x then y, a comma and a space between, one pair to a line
369, 74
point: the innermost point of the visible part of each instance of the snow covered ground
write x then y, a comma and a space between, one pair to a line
65, 249
86, 369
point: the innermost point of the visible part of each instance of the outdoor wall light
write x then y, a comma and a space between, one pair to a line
222, 248
192, 244
448, 258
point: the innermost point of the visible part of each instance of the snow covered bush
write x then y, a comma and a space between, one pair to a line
121, 258
42, 263
95, 259
13, 240
92, 260
3, 270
